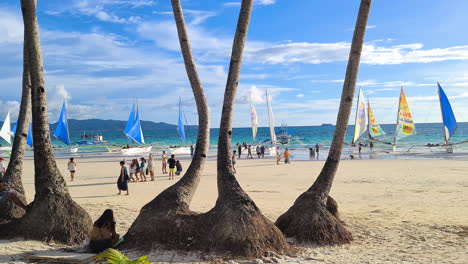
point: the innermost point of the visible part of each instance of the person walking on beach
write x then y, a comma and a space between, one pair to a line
72, 168
122, 182
234, 160
2, 168
360, 147
143, 168
132, 170
172, 163
249, 151
287, 156
262, 151
317, 148
239, 148
151, 166
259, 154
191, 151
164, 162
178, 168
278, 155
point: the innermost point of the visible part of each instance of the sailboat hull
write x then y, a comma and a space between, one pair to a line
180, 151
136, 150
66, 150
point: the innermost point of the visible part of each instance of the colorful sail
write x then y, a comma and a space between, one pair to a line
448, 117
360, 124
271, 120
405, 125
253, 119
180, 124
135, 133
374, 128
13, 130
62, 132
5, 132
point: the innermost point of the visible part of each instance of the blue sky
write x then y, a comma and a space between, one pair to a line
100, 54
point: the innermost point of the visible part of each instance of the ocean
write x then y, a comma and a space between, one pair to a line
303, 137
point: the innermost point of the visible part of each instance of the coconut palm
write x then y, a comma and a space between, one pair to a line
165, 211
53, 215
14, 171
309, 220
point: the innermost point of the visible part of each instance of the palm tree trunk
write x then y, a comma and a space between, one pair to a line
14, 171
308, 220
53, 215
165, 211
235, 223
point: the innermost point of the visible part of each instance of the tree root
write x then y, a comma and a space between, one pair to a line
54, 218
309, 221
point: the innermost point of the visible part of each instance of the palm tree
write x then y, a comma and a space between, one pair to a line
165, 211
53, 214
309, 220
14, 171
236, 224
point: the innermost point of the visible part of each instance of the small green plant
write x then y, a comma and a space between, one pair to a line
113, 256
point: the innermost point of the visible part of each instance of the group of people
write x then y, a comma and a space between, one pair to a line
146, 167
259, 150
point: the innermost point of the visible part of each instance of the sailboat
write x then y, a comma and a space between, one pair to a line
405, 126
5, 133
134, 133
360, 123
271, 122
62, 133
181, 132
284, 137
373, 127
448, 119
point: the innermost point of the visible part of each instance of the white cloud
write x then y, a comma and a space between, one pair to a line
11, 28
256, 2
317, 53
301, 95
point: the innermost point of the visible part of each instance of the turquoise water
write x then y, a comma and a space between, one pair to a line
303, 137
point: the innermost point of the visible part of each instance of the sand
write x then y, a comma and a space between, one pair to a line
400, 211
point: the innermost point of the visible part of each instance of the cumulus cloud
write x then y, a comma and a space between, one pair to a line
301, 95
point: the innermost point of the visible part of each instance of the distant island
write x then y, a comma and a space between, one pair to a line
326, 125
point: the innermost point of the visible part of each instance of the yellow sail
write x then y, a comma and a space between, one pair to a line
405, 125
374, 127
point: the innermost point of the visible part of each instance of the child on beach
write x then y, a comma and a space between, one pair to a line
172, 163
142, 168
178, 168
233, 161
122, 182
72, 168
103, 235
151, 166
164, 162
278, 155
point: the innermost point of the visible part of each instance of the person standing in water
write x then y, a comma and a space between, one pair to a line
239, 148
122, 182
317, 148
164, 162
72, 168
191, 151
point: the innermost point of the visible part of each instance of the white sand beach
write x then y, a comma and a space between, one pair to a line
399, 211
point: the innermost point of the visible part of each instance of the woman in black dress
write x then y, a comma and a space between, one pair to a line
122, 182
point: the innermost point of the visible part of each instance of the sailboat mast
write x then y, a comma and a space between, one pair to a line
446, 137
356, 118
368, 119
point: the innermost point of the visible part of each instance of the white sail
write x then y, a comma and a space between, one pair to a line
360, 124
5, 132
271, 120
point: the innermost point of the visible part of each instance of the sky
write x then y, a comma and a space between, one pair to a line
101, 54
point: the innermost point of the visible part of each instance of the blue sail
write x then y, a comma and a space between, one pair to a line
180, 124
130, 122
450, 123
61, 132
29, 140
135, 133
13, 130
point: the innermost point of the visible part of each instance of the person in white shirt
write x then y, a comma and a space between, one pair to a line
278, 155
72, 168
